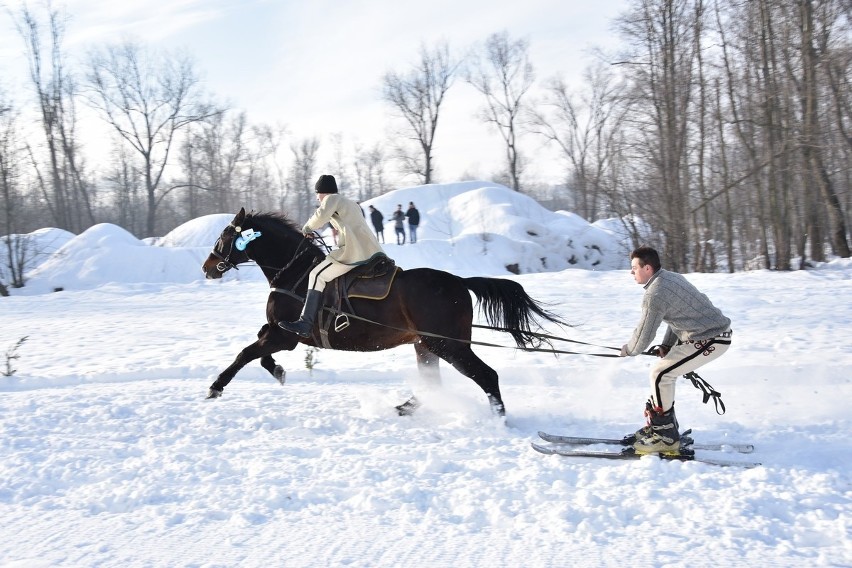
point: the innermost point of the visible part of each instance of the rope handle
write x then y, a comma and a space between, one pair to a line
707, 391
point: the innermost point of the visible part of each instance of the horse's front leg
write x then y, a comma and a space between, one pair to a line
269, 341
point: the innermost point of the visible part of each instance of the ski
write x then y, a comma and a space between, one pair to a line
685, 440
629, 454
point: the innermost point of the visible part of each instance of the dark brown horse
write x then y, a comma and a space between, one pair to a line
429, 308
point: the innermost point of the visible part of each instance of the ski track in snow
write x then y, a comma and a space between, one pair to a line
112, 457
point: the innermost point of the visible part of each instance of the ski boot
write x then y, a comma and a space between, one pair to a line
661, 435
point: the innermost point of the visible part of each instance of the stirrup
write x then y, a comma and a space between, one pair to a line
341, 322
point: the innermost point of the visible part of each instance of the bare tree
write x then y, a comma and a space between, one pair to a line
812, 129
662, 35
302, 175
337, 166
584, 131
19, 252
65, 189
258, 173
148, 100
417, 96
739, 86
780, 179
10, 199
502, 72
212, 158
122, 183
270, 140
369, 165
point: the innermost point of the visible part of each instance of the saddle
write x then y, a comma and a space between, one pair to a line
370, 281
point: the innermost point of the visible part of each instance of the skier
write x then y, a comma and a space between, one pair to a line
697, 334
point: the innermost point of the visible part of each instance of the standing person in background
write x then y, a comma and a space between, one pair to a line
697, 334
413, 220
398, 218
377, 219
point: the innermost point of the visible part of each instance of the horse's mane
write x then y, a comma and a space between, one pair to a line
273, 220
280, 227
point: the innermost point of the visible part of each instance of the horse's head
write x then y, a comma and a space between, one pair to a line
282, 245
230, 247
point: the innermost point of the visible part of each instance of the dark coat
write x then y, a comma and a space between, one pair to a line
413, 216
376, 217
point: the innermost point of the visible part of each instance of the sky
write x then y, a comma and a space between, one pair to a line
316, 66
110, 455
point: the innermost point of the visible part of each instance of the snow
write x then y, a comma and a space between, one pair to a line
111, 456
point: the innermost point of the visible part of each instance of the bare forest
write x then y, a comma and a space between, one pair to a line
724, 125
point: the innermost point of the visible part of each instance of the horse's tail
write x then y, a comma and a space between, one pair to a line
507, 306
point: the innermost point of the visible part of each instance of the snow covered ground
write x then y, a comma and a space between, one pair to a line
111, 456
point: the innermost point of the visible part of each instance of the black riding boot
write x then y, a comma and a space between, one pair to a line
305, 323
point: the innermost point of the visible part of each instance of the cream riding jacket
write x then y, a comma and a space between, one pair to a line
356, 241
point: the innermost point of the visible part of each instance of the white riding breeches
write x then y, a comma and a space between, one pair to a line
325, 272
680, 360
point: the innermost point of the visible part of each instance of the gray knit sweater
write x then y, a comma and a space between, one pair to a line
670, 298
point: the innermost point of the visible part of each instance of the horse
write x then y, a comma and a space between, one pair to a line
428, 308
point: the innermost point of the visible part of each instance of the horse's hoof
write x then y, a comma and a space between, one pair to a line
280, 374
497, 407
408, 407
213, 393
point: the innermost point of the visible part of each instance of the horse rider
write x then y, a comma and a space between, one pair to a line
356, 245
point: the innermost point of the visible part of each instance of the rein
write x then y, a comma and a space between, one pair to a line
300, 250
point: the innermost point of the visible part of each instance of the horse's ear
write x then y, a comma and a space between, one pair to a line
241, 216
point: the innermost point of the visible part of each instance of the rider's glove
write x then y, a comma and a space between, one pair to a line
659, 350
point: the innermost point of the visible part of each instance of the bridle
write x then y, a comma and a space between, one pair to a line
225, 263
241, 240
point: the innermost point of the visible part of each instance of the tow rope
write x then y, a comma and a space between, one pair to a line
698, 382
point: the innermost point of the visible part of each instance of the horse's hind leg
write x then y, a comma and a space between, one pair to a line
430, 377
466, 362
427, 365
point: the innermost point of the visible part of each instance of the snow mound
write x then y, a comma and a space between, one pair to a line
473, 228
105, 254
200, 232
